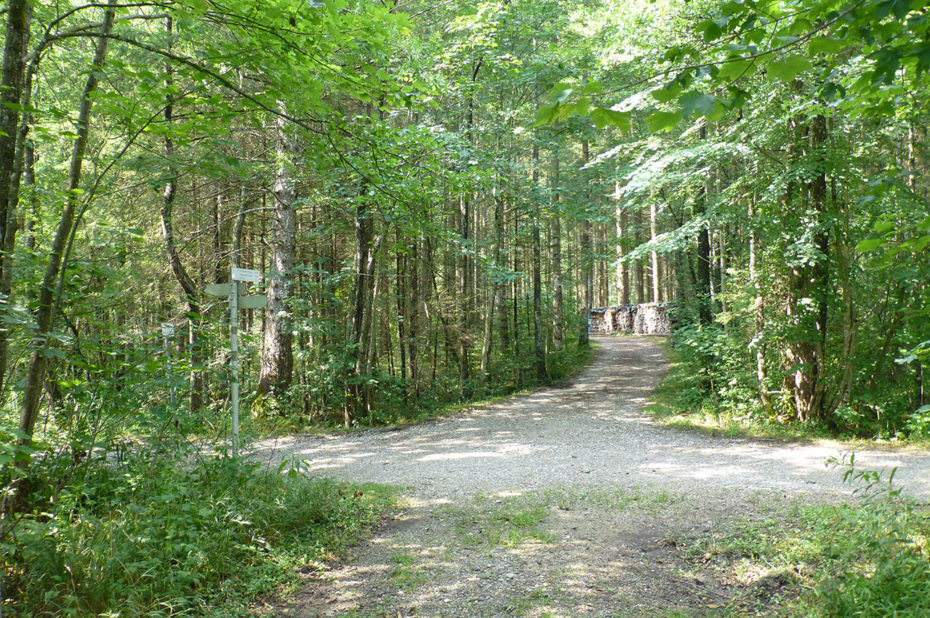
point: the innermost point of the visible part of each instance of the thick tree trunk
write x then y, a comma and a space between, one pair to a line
35, 375
277, 342
13, 91
806, 352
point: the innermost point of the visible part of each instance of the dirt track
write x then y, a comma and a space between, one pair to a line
565, 501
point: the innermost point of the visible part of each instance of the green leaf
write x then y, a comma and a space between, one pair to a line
663, 121
869, 244
560, 93
788, 68
700, 102
826, 45
603, 117
737, 68
546, 114
664, 95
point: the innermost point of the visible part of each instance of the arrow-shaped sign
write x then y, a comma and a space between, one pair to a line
224, 289
252, 302
219, 289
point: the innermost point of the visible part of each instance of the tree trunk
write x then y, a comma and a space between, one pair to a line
189, 288
703, 258
586, 260
558, 318
365, 249
538, 337
277, 342
758, 340
656, 279
35, 375
12, 89
494, 292
623, 275
806, 350
464, 284
638, 270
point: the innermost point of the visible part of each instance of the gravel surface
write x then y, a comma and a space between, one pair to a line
617, 493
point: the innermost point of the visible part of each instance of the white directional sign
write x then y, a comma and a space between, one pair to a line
246, 274
167, 329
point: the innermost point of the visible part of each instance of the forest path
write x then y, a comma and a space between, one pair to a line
565, 501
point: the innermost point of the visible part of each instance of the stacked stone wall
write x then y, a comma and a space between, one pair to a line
643, 319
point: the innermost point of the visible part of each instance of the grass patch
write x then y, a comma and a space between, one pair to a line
507, 522
535, 603
492, 522
871, 559
567, 499
405, 574
201, 537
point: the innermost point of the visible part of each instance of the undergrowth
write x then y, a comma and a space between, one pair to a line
270, 417
193, 536
684, 399
870, 559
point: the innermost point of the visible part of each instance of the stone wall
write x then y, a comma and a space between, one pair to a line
644, 319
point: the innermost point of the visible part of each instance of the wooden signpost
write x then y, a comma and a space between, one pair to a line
236, 290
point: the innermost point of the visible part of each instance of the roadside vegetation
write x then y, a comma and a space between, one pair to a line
203, 535
866, 558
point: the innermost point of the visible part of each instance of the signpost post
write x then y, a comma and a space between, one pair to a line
237, 300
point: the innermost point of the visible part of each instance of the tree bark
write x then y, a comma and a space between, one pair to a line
638, 270
703, 258
623, 275
656, 279
277, 342
586, 260
539, 346
12, 143
558, 318
366, 248
758, 340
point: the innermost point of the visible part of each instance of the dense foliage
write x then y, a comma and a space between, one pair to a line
437, 194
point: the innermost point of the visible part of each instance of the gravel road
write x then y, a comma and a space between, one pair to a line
575, 440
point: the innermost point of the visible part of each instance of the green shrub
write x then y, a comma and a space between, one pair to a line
179, 538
